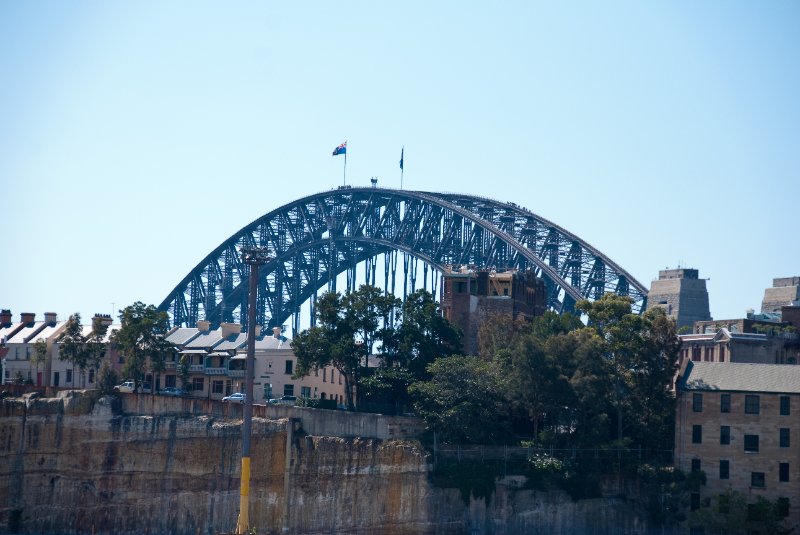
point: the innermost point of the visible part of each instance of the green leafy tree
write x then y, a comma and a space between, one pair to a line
107, 379
183, 371
72, 345
332, 341
140, 339
641, 354
462, 400
96, 345
423, 335
39, 356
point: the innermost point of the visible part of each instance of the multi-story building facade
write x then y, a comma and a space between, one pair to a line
752, 339
20, 360
470, 296
739, 424
216, 364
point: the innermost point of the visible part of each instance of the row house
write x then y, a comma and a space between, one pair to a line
739, 424
216, 365
18, 342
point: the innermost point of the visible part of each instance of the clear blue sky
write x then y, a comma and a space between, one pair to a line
135, 137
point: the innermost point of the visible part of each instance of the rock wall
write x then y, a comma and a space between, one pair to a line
73, 465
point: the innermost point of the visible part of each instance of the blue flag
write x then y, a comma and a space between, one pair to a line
341, 149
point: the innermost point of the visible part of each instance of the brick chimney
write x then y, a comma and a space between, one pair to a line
104, 319
203, 326
50, 318
27, 317
5, 317
230, 328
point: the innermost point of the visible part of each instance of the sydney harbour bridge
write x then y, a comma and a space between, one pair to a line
316, 238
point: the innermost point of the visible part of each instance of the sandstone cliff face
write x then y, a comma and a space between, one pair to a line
68, 465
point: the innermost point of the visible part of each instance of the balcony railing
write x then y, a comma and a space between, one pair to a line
235, 373
215, 371
196, 368
171, 365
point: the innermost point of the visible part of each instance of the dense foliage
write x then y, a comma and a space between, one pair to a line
140, 340
82, 351
353, 328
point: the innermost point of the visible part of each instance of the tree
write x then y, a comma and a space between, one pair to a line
462, 401
332, 341
641, 354
423, 335
72, 345
140, 339
96, 343
39, 356
107, 379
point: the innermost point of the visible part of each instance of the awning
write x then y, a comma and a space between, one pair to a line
239, 357
193, 352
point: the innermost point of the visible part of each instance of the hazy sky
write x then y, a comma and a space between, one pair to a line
135, 137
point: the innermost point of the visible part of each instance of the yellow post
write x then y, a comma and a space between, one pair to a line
243, 525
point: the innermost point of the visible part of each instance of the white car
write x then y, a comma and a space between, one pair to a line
237, 397
127, 386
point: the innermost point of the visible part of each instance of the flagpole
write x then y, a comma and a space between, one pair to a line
402, 152
344, 171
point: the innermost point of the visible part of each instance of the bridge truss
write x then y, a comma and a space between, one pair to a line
314, 239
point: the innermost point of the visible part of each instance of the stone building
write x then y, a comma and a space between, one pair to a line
785, 291
745, 340
470, 296
738, 423
682, 294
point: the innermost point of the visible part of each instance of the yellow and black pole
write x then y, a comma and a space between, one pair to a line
254, 258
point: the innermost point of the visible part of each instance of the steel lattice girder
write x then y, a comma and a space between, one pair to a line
315, 238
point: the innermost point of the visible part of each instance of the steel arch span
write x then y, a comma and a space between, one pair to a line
314, 239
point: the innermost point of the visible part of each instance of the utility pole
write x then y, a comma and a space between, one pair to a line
255, 258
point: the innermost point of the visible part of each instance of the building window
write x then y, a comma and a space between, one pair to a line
324, 375
724, 469
69, 377
289, 367
697, 402
217, 386
757, 479
783, 472
725, 434
695, 501
785, 405
268, 391
751, 443
288, 390
722, 353
725, 403
751, 404
305, 391
784, 437
91, 375
697, 434
198, 384
695, 465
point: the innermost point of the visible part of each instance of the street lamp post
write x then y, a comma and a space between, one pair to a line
255, 258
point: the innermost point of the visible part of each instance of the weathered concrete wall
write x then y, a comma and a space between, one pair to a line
69, 467
314, 421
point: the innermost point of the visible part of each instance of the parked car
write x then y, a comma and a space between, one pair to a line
172, 391
284, 400
126, 387
237, 397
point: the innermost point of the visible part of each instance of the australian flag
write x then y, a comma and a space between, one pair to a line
341, 149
